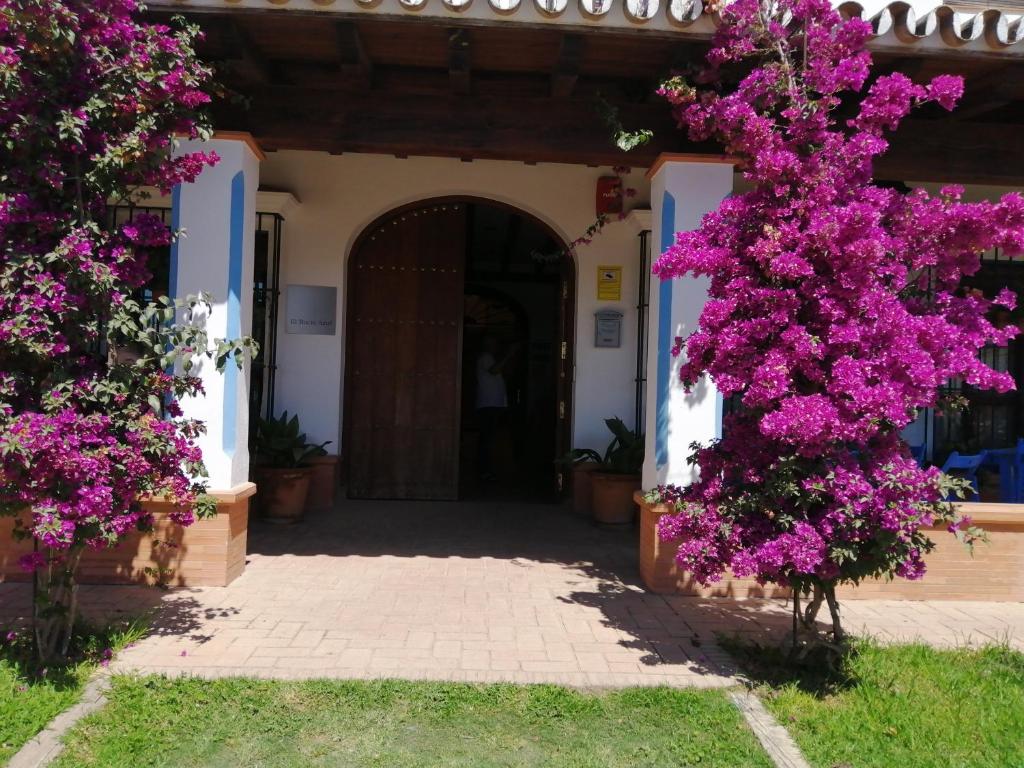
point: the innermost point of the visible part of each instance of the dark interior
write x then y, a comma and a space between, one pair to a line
513, 273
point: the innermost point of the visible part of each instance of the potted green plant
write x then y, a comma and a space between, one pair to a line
581, 483
282, 468
579, 465
616, 475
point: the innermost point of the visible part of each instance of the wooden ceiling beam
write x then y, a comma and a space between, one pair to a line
459, 65
954, 152
989, 92
530, 129
353, 61
543, 129
243, 48
567, 68
913, 67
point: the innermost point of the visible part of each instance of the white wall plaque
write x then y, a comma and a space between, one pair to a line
311, 309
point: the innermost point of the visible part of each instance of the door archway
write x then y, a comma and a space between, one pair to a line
405, 300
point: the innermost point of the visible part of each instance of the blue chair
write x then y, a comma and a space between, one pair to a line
917, 451
967, 468
1010, 463
1018, 473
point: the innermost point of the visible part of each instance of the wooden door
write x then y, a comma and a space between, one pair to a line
404, 342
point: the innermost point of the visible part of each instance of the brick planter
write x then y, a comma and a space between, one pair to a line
207, 553
995, 572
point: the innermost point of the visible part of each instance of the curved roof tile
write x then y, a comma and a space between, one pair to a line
897, 24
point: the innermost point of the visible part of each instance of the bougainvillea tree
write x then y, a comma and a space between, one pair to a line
90, 100
835, 310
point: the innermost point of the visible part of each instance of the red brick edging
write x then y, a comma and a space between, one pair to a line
210, 552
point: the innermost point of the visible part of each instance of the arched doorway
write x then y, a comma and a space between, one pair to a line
429, 285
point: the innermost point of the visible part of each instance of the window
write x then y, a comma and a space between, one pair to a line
265, 299
990, 419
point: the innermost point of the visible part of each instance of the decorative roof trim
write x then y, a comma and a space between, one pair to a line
246, 138
922, 24
677, 157
956, 27
267, 200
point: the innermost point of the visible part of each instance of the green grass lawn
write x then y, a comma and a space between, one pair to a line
28, 702
906, 706
30, 697
153, 721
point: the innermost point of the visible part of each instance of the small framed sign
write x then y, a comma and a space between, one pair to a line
607, 328
609, 283
311, 309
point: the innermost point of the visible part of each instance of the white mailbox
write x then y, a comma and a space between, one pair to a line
607, 328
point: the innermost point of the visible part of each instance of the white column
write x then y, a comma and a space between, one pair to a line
217, 213
683, 189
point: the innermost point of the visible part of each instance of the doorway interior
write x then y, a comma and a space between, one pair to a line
430, 287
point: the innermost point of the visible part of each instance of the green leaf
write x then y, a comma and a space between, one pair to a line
629, 140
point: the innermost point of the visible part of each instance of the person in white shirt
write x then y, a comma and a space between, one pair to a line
491, 399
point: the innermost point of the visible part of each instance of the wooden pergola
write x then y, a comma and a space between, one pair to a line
532, 93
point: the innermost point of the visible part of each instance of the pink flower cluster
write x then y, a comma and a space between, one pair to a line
835, 307
81, 474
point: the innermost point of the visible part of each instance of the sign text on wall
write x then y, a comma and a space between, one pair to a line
311, 309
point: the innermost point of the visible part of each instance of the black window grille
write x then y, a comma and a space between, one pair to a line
643, 314
988, 419
266, 296
266, 292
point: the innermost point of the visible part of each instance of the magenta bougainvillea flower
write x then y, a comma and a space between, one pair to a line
91, 98
835, 309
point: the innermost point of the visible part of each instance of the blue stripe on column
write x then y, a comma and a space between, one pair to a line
172, 278
665, 338
234, 307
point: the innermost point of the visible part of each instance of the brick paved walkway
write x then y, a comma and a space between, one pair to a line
472, 591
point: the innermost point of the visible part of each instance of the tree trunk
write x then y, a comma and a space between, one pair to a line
805, 620
838, 634
810, 617
55, 606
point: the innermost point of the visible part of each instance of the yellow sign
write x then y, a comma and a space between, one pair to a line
609, 283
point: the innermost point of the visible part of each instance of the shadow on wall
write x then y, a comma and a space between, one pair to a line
733, 589
154, 558
699, 393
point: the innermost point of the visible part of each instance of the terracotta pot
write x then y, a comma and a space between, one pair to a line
324, 482
281, 493
613, 497
582, 487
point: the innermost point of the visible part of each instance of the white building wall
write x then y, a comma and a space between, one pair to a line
682, 192
215, 256
339, 195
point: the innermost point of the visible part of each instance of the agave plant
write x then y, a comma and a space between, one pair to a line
280, 444
623, 456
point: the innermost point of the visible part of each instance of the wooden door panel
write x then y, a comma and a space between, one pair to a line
402, 414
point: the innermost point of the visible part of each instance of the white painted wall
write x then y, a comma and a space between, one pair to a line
204, 213
697, 188
341, 194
